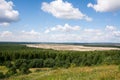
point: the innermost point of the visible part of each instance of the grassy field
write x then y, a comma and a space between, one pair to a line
104, 72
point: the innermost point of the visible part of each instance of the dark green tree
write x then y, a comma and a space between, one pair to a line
49, 62
8, 64
11, 71
36, 63
24, 69
19, 62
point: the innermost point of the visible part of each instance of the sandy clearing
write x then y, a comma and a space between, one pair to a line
70, 47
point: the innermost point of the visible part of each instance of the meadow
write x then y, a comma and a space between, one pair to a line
103, 72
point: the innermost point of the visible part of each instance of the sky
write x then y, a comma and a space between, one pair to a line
60, 20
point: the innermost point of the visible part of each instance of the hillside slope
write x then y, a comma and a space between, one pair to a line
110, 72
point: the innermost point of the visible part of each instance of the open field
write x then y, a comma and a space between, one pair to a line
70, 47
104, 72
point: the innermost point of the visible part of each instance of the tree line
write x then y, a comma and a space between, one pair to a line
13, 52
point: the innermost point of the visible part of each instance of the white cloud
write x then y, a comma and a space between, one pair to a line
30, 33
108, 34
117, 33
4, 24
7, 13
91, 30
63, 9
47, 31
20, 36
65, 37
110, 28
5, 34
105, 5
64, 28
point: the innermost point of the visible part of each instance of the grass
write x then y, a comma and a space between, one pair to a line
104, 72
3, 69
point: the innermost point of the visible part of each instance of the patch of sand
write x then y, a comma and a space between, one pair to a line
69, 47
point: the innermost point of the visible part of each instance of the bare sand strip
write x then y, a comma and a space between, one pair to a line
70, 47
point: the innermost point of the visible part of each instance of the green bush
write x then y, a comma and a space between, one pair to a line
24, 69
2, 75
19, 62
49, 62
11, 71
36, 63
8, 64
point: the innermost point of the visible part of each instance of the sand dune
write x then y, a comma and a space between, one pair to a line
69, 47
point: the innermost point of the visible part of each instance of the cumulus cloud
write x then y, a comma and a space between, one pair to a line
63, 9
117, 33
5, 34
108, 34
29, 35
32, 32
20, 36
63, 37
4, 24
64, 28
110, 28
105, 5
88, 35
91, 30
7, 13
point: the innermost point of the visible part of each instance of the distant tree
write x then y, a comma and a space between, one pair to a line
49, 62
36, 63
108, 60
76, 61
8, 64
19, 62
11, 71
58, 62
67, 63
24, 69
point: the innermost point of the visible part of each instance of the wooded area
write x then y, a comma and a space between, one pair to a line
19, 57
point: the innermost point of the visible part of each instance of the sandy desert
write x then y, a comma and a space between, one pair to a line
70, 47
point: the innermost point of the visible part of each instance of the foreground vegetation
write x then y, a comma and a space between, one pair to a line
103, 72
19, 59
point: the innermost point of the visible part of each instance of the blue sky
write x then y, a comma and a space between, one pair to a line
60, 20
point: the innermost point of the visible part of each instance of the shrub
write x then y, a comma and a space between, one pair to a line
24, 69
2, 75
36, 63
11, 71
49, 62
19, 62
8, 64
